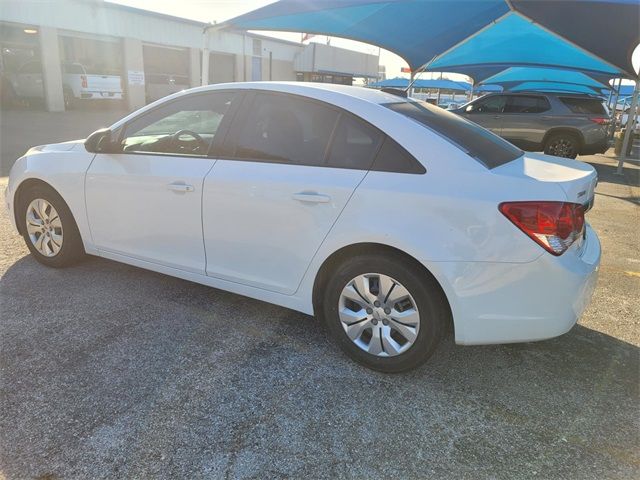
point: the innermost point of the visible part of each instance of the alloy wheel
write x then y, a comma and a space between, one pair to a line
379, 315
562, 147
44, 227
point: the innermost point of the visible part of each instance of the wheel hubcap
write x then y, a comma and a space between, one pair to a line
379, 315
44, 227
562, 148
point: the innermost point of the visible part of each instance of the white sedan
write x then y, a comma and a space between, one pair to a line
391, 219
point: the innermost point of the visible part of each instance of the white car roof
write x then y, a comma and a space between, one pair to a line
345, 96
313, 90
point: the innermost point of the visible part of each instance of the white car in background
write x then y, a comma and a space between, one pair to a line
391, 219
77, 84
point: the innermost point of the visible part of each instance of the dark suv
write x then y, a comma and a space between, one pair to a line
563, 125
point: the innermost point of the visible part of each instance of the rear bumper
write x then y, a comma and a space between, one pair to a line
520, 302
101, 95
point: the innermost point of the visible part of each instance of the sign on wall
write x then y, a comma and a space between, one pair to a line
136, 77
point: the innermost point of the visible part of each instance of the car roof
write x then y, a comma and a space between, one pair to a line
312, 89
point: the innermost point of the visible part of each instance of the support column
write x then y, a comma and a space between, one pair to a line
134, 63
51, 73
629, 132
239, 74
194, 67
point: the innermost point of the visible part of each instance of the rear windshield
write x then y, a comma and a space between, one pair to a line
588, 106
486, 147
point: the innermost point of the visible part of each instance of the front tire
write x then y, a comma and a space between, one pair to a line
562, 145
384, 312
48, 227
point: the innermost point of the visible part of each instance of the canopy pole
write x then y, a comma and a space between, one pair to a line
615, 105
204, 72
631, 119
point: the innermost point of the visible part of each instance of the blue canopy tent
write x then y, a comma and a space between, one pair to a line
547, 79
555, 87
443, 84
515, 76
486, 33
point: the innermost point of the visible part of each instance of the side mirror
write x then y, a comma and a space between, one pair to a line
101, 141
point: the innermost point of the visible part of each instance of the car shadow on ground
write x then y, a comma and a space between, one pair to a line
109, 370
607, 172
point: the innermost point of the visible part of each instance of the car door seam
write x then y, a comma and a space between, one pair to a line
84, 194
328, 232
204, 242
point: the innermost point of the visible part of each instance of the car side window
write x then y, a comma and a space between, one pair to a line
284, 129
493, 104
185, 126
394, 158
527, 104
354, 145
72, 68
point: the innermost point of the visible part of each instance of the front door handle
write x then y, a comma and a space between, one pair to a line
180, 187
311, 197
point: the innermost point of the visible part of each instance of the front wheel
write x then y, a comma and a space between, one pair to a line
562, 145
48, 227
384, 312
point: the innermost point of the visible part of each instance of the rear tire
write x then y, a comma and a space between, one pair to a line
48, 227
69, 100
388, 338
562, 145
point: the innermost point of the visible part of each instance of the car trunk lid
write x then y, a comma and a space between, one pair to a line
577, 179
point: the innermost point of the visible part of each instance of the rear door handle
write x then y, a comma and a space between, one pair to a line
180, 187
311, 197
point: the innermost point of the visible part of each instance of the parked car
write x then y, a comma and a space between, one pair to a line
559, 124
77, 84
623, 118
391, 219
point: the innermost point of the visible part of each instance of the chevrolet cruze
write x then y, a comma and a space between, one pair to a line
392, 220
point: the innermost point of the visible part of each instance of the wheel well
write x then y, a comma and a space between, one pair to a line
17, 199
566, 131
337, 257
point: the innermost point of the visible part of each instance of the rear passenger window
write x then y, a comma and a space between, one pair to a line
393, 158
355, 144
527, 104
285, 129
588, 106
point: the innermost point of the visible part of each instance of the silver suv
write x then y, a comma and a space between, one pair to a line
563, 125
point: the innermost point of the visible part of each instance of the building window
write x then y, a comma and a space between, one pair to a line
257, 48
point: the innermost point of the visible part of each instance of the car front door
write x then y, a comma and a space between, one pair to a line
289, 168
487, 112
525, 122
145, 201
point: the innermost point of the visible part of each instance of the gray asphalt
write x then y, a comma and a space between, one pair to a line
109, 371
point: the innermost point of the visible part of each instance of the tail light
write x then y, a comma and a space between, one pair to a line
553, 225
83, 81
600, 120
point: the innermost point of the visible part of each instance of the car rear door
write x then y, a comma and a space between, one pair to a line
145, 201
288, 169
525, 122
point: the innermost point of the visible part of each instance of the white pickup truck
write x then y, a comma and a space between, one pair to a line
77, 84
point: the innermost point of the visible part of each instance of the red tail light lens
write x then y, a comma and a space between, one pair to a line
553, 225
83, 81
600, 120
